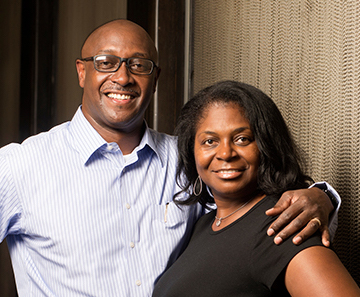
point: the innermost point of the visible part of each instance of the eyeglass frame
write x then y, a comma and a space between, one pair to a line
93, 58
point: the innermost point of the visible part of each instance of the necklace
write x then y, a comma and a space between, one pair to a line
218, 222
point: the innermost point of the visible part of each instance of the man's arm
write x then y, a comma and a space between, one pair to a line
308, 209
336, 202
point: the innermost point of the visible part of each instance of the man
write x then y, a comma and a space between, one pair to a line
87, 207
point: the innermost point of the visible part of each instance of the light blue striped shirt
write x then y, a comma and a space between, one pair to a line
80, 220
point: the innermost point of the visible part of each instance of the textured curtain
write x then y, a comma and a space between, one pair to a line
306, 56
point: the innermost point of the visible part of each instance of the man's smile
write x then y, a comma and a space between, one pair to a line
119, 96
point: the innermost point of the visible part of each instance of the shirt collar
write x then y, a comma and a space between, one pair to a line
149, 139
87, 140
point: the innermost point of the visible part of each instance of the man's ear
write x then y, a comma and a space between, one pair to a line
80, 68
157, 74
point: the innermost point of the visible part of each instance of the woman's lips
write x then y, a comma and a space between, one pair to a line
229, 173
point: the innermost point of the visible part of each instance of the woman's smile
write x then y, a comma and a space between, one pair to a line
228, 173
226, 153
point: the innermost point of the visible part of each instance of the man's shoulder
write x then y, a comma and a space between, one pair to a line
162, 135
36, 142
55, 136
163, 139
164, 145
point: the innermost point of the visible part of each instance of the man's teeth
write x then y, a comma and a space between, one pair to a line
119, 96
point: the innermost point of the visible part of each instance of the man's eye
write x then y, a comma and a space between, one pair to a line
106, 64
137, 66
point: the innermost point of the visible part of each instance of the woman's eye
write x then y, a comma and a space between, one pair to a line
209, 142
242, 140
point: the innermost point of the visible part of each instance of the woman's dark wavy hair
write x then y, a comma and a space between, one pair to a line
279, 168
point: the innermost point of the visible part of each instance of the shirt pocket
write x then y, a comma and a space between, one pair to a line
171, 215
171, 230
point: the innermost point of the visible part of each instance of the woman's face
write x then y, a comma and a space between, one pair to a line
226, 153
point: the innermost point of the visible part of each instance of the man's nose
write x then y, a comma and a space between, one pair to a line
123, 76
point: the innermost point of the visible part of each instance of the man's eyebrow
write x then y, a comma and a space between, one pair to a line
140, 54
111, 51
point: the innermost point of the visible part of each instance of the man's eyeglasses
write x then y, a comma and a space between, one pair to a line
110, 63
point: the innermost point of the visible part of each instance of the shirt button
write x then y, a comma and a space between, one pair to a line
132, 245
127, 205
138, 283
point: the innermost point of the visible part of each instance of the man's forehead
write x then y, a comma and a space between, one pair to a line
118, 48
116, 37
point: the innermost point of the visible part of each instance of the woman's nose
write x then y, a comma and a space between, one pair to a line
225, 151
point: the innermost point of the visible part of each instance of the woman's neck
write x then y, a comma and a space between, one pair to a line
229, 210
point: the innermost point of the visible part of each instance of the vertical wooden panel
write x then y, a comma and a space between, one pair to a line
142, 12
7, 282
10, 14
171, 28
38, 54
76, 20
171, 60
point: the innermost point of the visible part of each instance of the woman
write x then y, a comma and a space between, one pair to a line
231, 156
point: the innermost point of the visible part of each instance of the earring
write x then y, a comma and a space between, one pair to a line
198, 179
209, 191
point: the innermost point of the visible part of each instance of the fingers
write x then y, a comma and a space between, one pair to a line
286, 218
309, 230
325, 237
283, 203
292, 225
317, 221
283, 220
294, 218
304, 211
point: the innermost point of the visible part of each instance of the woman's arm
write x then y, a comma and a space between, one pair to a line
317, 271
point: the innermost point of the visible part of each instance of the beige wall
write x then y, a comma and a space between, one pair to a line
76, 20
306, 55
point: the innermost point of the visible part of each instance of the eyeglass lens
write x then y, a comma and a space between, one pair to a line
109, 63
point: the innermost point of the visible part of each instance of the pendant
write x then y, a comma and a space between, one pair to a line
218, 222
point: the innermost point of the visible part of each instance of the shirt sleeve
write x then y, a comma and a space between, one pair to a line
10, 208
269, 260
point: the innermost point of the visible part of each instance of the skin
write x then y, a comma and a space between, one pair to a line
298, 207
117, 120
317, 271
121, 121
227, 159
